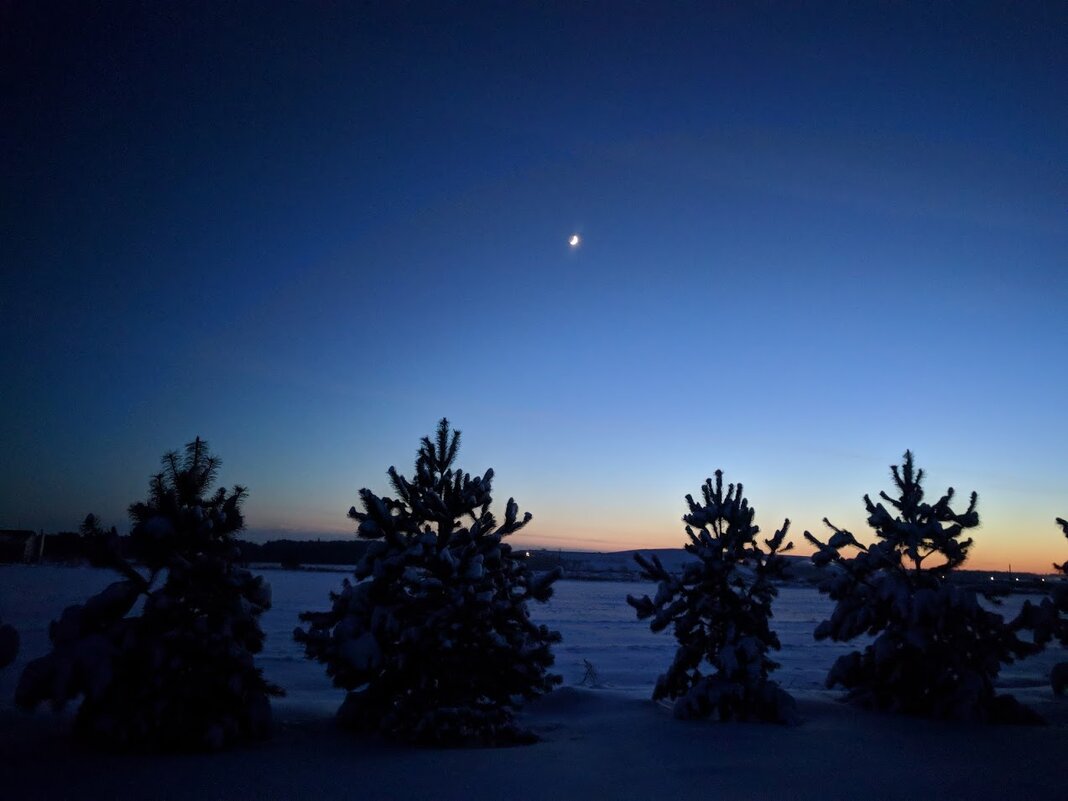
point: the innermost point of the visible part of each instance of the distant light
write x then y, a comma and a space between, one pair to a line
1017, 578
991, 578
528, 554
575, 240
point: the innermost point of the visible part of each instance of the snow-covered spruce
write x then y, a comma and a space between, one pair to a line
9, 645
1059, 599
720, 608
1049, 620
936, 651
180, 674
434, 642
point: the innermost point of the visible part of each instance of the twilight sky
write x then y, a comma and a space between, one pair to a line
305, 231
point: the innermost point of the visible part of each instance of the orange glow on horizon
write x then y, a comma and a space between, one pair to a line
1035, 555
998, 545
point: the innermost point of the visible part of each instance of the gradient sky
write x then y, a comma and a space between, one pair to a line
812, 238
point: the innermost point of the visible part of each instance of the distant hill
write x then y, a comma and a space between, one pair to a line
620, 566
68, 547
616, 566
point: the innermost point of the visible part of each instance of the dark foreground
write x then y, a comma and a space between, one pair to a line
595, 745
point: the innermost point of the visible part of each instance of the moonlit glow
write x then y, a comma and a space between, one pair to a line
575, 240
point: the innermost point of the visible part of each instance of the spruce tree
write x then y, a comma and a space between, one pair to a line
434, 641
936, 651
1059, 601
1049, 620
100, 546
178, 672
720, 607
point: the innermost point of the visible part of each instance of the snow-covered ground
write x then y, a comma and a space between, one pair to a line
607, 740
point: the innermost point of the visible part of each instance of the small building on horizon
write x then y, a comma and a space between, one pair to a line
21, 546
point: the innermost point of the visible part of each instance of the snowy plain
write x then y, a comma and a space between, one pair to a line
600, 733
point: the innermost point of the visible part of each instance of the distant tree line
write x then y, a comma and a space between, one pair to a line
73, 547
294, 553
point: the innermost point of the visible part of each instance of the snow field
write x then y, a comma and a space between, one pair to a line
608, 743
596, 623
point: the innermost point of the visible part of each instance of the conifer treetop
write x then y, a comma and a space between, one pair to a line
185, 479
439, 497
180, 518
1064, 527
725, 523
916, 531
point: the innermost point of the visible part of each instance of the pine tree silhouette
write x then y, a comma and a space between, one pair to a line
1049, 620
434, 643
179, 674
936, 650
1059, 600
101, 546
720, 608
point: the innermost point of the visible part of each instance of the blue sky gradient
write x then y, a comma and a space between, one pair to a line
812, 238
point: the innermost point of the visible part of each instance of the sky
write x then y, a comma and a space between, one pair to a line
812, 237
